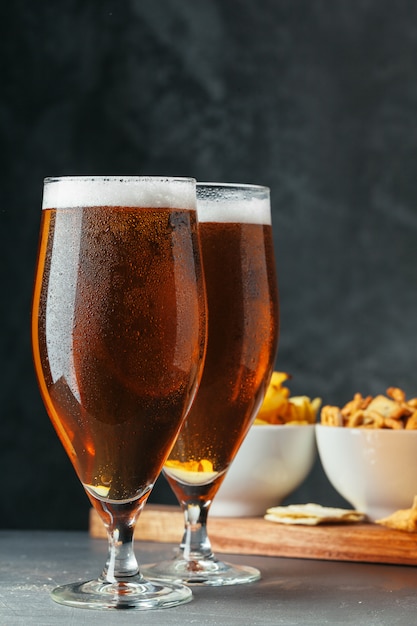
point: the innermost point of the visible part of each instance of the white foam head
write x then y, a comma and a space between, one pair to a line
129, 191
229, 202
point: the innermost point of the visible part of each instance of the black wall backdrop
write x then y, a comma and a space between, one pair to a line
315, 98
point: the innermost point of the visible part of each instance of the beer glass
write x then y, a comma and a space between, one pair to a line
118, 330
239, 267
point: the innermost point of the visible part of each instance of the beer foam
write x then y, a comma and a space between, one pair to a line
233, 203
130, 191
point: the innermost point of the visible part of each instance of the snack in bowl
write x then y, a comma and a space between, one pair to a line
279, 407
367, 448
390, 411
274, 458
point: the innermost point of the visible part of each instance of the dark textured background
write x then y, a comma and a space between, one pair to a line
315, 98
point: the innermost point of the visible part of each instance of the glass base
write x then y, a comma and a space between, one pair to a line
202, 572
139, 594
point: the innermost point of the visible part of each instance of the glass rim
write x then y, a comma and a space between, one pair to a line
120, 178
243, 186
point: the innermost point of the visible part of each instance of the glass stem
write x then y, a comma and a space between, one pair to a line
121, 561
195, 544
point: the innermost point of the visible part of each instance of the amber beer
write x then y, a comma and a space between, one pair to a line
239, 268
118, 331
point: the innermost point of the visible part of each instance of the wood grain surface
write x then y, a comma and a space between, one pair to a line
335, 542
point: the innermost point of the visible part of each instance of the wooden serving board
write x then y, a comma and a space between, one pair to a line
253, 535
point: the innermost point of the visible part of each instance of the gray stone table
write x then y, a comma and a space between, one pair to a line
292, 591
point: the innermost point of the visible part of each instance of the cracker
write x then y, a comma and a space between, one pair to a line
403, 519
311, 514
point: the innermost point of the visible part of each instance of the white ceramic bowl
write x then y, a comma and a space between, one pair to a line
271, 462
373, 469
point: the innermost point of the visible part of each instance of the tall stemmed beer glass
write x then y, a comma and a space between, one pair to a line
239, 266
118, 332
